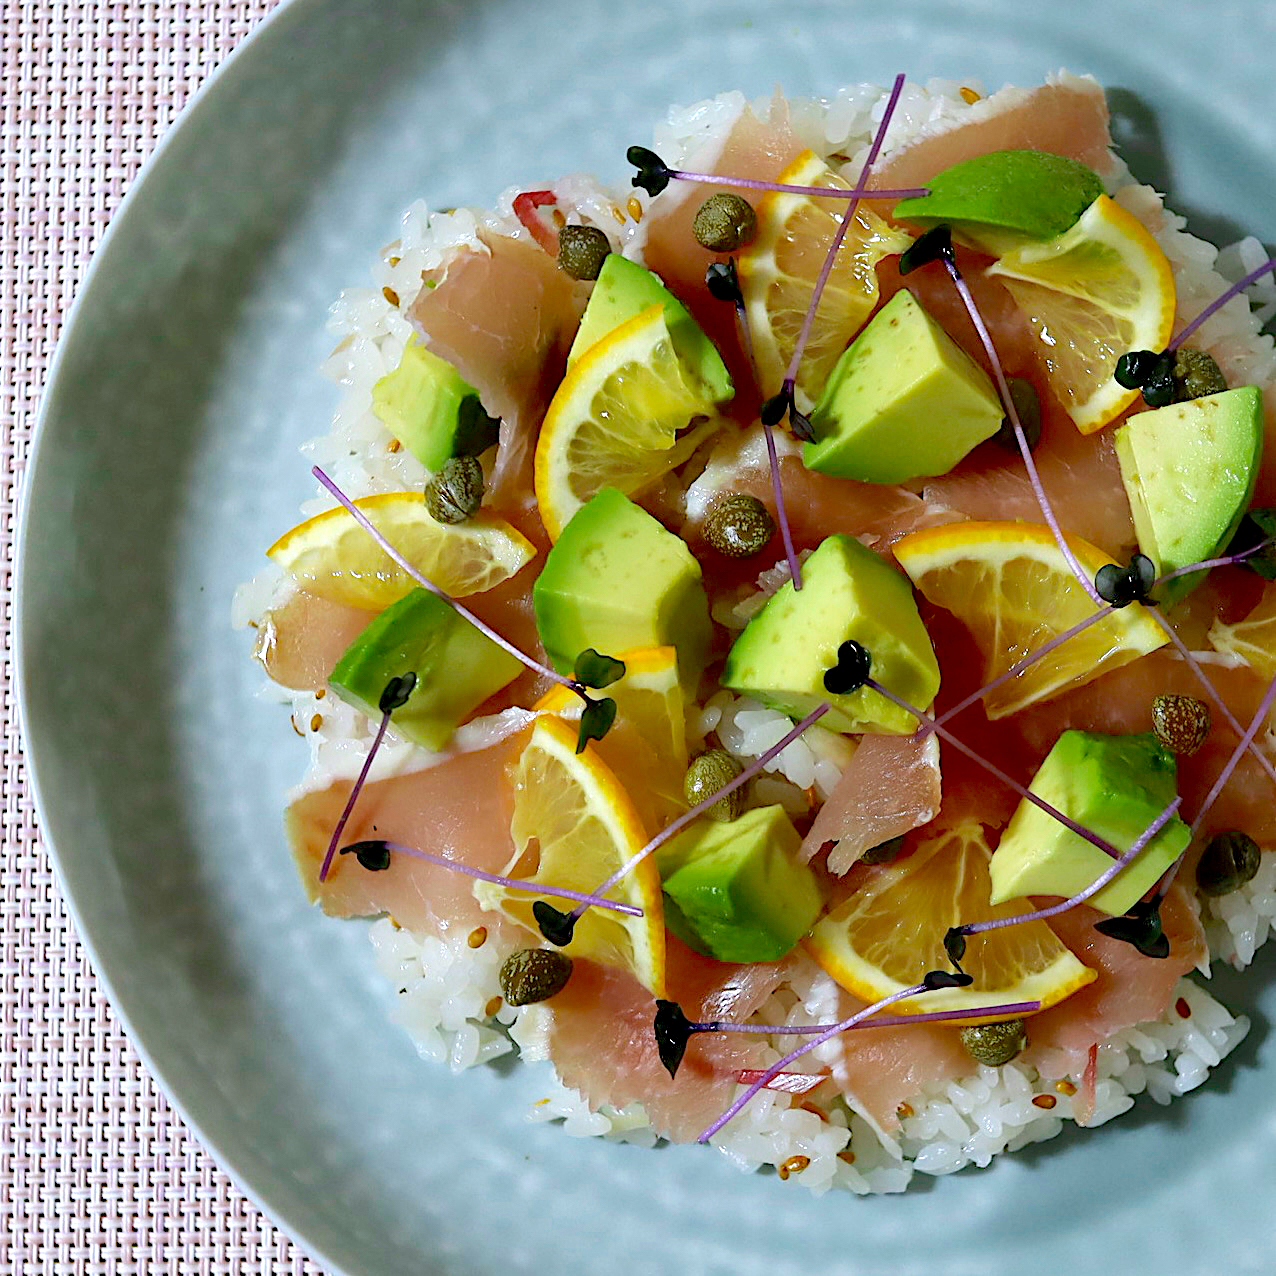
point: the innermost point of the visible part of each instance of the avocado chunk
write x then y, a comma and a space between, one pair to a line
623, 290
738, 891
1114, 786
1003, 200
848, 593
432, 410
616, 581
904, 401
457, 667
1189, 471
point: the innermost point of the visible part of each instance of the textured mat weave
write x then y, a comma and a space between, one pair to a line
97, 1173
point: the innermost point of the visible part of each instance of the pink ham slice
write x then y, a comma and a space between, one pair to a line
602, 1041
459, 809
890, 785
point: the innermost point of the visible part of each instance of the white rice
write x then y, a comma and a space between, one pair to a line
447, 988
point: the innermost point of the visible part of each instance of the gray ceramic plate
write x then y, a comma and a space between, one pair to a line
166, 462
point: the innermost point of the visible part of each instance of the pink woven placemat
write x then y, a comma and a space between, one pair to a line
98, 1175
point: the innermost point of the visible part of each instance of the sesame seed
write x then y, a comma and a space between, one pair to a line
1065, 1087
847, 1155
969, 96
296, 728
391, 296
794, 1165
617, 214
1182, 1009
635, 208
904, 1111
493, 1005
316, 722
394, 261
1045, 1101
323, 691
477, 937
395, 445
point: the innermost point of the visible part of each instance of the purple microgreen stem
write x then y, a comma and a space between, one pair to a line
784, 188
1246, 741
676, 827
1229, 560
1234, 291
1016, 669
781, 512
512, 883
1012, 412
1140, 845
354, 797
1219, 703
856, 194
944, 734
1009, 1010
368, 526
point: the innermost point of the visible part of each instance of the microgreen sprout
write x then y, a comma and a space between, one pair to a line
851, 671
1121, 586
1140, 926
654, 175
596, 719
374, 854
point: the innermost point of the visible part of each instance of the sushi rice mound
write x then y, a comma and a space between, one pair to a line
447, 986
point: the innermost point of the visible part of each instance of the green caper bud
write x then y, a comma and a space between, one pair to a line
456, 491
739, 526
706, 775
725, 222
1196, 375
534, 974
1230, 860
1181, 723
995, 1043
1028, 406
885, 852
582, 250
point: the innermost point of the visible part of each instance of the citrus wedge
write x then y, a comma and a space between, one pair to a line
573, 827
647, 746
620, 419
1253, 639
779, 270
888, 934
1100, 289
332, 556
1012, 588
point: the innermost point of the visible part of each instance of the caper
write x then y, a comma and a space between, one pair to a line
582, 251
456, 491
1181, 723
706, 775
1196, 375
1230, 860
534, 974
885, 852
995, 1043
1028, 406
739, 525
725, 222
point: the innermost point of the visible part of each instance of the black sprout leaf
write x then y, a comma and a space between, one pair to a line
673, 1030
373, 855
937, 979
955, 945
723, 282
557, 926
396, 692
595, 721
1135, 369
1141, 926
851, 671
801, 425
593, 669
935, 245
1256, 527
653, 173
774, 408
1122, 586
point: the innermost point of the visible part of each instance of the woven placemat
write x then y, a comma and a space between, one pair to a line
98, 1175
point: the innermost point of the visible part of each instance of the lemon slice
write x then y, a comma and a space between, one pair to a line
779, 270
1011, 586
647, 747
1253, 639
615, 420
573, 827
1100, 289
886, 935
332, 556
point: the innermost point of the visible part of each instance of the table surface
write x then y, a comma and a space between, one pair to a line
98, 1174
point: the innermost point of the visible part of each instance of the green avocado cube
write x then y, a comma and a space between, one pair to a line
738, 891
617, 581
904, 402
457, 667
848, 593
1189, 471
622, 291
432, 410
1005, 199
1115, 786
